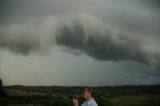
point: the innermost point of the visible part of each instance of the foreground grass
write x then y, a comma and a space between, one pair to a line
137, 100
19, 98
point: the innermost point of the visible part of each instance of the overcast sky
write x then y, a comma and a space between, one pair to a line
79, 42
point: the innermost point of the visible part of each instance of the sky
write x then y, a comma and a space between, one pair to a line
79, 42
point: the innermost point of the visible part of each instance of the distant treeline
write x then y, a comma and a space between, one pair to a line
110, 90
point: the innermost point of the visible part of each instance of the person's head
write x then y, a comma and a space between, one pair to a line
88, 93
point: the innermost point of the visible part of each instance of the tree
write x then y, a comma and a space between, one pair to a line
2, 93
1, 84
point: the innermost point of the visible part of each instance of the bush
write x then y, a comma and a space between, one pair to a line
2, 93
103, 101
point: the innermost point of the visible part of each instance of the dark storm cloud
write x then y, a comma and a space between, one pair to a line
109, 31
97, 46
18, 39
83, 33
23, 45
110, 46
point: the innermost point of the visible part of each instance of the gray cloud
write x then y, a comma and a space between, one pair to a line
110, 31
109, 43
80, 33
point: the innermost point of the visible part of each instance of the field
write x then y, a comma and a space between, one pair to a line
138, 100
58, 96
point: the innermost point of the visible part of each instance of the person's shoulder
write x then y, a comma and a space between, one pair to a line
94, 103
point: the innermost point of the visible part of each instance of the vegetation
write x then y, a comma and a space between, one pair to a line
59, 95
2, 93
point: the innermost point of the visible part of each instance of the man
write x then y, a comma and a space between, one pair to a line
88, 96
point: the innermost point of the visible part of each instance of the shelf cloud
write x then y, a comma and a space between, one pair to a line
81, 33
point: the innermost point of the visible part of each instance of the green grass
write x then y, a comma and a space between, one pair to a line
138, 100
19, 98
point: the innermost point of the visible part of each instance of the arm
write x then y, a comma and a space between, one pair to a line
75, 102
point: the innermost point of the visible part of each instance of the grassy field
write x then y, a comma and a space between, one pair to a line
17, 97
13, 92
138, 100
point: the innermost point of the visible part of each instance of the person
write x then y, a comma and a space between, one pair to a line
88, 95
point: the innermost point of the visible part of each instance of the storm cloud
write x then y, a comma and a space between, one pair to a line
116, 42
81, 33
